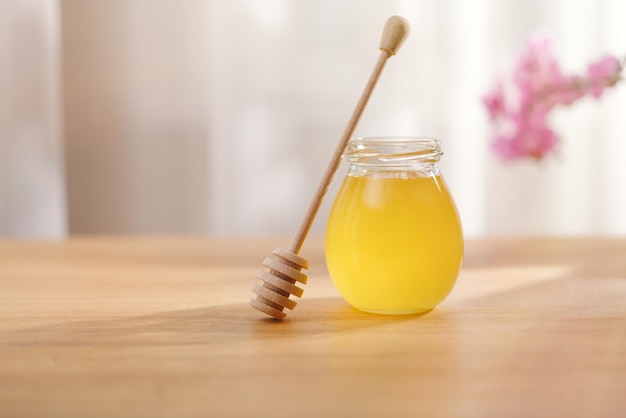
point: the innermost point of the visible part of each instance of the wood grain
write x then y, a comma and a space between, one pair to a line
160, 327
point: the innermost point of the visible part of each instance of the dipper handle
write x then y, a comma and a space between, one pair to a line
394, 33
284, 267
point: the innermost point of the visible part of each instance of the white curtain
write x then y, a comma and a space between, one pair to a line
32, 187
218, 117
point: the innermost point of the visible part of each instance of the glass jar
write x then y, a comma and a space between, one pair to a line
394, 243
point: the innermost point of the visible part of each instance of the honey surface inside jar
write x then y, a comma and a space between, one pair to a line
394, 245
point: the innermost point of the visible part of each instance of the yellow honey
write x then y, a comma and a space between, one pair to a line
394, 243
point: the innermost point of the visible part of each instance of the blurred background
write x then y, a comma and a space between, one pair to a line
218, 117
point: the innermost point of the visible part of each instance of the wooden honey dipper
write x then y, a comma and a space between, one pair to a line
284, 267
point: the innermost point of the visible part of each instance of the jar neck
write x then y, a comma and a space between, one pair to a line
393, 157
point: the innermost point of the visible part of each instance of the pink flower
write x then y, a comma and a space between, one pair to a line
533, 141
494, 101
536, 68
572, 89
520, 122
603, 73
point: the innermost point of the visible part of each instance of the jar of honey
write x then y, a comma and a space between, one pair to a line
394, 243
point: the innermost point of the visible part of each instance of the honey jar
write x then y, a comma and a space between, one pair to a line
394, 242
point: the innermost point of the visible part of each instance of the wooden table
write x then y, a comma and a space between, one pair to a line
156, 327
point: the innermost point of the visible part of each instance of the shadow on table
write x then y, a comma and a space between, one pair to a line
534, 306
207, 325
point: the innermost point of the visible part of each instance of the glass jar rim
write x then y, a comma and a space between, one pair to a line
393, 150
398, 139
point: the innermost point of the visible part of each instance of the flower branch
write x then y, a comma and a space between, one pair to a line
519, 107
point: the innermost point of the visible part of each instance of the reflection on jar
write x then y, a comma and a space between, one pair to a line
394, 243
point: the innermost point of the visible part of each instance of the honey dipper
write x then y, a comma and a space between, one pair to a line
284, 267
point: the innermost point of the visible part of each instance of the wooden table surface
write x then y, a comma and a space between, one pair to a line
161, 327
